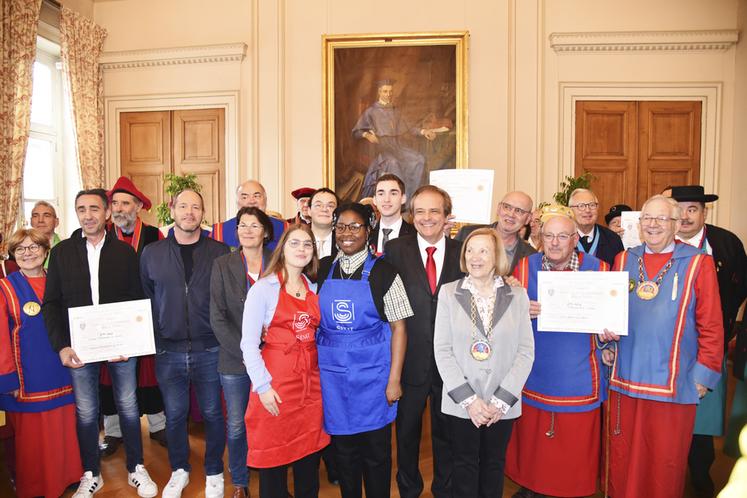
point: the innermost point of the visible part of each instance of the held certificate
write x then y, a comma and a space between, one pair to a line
583, 301
106, 331
471, 192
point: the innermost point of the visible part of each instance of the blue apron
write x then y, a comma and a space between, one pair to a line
354, 346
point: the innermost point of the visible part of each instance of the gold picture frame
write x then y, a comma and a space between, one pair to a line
392, 103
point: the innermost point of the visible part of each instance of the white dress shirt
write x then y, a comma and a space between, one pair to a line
94, 255
395, 227
696, 240
324, 246
438, 255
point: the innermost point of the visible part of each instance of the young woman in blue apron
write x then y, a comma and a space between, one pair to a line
361, 344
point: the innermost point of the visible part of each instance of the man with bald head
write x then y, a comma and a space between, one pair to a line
594, 238
251, 193
514, 211
669, 360
558, 431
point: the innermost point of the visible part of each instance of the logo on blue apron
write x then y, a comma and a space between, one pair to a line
343, 310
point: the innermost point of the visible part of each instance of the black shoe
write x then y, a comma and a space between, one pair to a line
109, 445
160, 437
527, 493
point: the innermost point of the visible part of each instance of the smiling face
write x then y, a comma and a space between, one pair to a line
349, 239
693, 219
251, 232
558, 251
658, 233
29, 255
479, 255
428, 216
187, 211
323, 205
44, 219
298, 249
389, 198
92, 214
125, 208
514, 212
586, 209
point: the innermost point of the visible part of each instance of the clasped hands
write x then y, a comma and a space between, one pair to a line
482, 413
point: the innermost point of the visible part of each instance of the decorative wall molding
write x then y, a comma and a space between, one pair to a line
644, 41
127, 59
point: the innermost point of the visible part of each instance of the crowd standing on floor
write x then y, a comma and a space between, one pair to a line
323, 330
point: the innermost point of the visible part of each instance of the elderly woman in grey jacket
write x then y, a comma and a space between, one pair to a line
484, 350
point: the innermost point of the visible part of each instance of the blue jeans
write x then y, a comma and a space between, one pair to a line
236, 393
86, 390
174, 372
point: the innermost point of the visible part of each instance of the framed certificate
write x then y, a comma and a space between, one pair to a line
583, 301
107, 331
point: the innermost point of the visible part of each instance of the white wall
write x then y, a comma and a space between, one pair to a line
516, 112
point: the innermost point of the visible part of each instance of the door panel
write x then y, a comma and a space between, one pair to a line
636, 149
605, 147
199, 149
145, 143
670, 146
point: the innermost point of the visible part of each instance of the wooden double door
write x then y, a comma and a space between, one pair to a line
637, 149
156, 143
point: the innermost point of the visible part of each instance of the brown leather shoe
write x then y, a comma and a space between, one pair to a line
239, 493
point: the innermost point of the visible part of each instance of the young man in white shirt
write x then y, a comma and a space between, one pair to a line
389, 197
323, 203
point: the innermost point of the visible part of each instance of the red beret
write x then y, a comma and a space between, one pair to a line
124, 184
302, 192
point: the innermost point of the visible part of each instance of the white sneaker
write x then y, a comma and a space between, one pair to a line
142, 482
214, 486
179, 480
89, 485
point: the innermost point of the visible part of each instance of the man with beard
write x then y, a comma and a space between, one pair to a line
514, 212
251, 193
126, 202
594, 238
731, 263
176, 277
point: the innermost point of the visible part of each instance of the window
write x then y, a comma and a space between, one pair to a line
48, 174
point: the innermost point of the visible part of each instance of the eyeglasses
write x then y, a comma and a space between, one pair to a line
352, 227
295, 244
585, 205
33, 249
320, 205
508, 208
253, 226
660, 220
562, 237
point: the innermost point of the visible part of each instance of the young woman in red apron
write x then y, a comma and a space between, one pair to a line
284, 417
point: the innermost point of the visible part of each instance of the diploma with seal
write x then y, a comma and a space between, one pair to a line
583, 301
107, 331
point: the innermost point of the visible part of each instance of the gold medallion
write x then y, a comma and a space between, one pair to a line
480, 350
31, 308
647, 290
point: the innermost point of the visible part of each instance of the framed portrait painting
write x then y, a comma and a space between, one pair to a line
393, 103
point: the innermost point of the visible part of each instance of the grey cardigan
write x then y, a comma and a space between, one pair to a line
503, 374
227, 296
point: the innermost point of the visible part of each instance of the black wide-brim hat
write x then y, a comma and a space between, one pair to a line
692, 193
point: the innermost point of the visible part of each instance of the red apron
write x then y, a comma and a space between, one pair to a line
290, 356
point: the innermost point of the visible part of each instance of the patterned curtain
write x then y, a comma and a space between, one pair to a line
82, 41
18, 29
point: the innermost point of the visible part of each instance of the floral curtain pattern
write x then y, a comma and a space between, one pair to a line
81, 45
18, 29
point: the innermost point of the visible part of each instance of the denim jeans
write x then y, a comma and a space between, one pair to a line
236, 393
86, 390
174, 372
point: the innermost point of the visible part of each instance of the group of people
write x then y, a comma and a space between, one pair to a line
323, 330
